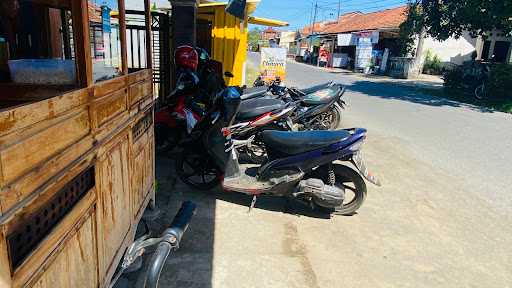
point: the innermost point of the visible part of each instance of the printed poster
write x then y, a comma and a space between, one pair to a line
363, 52
273, 64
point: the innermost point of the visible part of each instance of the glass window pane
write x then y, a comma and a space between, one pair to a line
105, 40
36, 52
136, 35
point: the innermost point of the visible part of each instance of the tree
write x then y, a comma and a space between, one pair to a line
254, 36
442, 19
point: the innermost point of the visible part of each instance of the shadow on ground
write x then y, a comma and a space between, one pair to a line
192, 265
409, 94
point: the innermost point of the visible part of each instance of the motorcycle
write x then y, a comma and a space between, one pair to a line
300, 165
319, 110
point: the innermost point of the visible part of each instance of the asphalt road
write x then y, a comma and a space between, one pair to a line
464, 141
441, 219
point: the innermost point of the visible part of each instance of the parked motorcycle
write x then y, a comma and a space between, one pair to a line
319, 110
300, 165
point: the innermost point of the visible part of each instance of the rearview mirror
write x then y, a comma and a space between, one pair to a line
229, 74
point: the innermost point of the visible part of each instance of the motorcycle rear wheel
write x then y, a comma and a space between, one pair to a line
257, 153
329, 120
355, 189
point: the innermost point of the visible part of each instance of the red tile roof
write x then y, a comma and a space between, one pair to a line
269, 30
357, 21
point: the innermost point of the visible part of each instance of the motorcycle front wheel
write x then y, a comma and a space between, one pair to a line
197, 170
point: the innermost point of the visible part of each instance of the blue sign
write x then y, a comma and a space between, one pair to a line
105, 19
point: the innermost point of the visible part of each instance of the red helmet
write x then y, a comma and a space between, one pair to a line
186, 57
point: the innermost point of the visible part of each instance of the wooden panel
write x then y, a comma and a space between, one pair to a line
18, 191
139, 76
5, 272
52, 245
26, 115
137, 177
109, 86
148, 17
108, 107
150, 156
139, 91
142, 174
127, 241
122, 36
20, 157
81, 39
114, 217
76, 264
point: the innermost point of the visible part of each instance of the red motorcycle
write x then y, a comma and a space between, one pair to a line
180, 111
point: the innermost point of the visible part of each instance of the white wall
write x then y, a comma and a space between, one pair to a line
457, 51
452, 50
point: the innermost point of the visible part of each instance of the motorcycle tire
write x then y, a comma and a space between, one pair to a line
258, 155
202, 166
352, 182
336, 111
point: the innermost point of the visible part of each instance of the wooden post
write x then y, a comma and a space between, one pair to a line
122, 36
149, 55
83, 60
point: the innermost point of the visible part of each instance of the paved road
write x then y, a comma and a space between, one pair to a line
472, 144
442, 218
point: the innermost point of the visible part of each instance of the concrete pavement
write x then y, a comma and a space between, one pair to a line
441, 219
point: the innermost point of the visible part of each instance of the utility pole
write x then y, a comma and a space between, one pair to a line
339, 9
314, 19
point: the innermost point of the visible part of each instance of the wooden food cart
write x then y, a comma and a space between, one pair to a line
76, 158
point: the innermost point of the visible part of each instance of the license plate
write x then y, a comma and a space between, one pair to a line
360, 164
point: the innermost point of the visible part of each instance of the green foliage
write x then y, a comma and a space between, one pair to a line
409, 29
442, 19
500, 81
254, 36
453, 79
432, 64
499, 84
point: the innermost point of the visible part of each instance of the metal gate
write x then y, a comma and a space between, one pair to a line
160, 40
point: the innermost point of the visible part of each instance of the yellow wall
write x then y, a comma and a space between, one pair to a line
229, 41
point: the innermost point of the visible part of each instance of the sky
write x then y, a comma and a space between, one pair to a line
299, 12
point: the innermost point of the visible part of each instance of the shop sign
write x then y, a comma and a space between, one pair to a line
346, 39
105, 17
273, 64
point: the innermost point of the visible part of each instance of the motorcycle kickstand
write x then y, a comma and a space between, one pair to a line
253, 202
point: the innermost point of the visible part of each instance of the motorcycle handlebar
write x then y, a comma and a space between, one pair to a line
157, 263
171, 239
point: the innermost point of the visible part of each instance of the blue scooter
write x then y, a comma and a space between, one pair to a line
300, 165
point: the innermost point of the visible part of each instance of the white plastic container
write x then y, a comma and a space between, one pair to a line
43, 71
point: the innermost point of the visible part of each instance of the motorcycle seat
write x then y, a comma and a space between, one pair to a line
322, 96
252, 108
286, 143
253, 92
